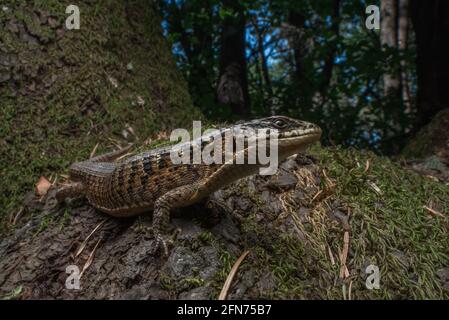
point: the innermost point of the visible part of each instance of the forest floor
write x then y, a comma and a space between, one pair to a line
311, 231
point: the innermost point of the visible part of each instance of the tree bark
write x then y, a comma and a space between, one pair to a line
263, 61
63, 91
403, 22
389, 38
432, 65
329, 62
199, 53
233, 82
297, 19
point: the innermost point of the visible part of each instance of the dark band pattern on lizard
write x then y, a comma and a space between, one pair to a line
151, 182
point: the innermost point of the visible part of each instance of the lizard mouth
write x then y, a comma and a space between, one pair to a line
297, 141
307, 136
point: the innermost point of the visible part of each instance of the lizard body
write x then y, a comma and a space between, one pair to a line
150, 181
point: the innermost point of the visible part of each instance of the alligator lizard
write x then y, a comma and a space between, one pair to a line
150, 181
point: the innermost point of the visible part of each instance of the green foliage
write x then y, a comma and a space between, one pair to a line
352, 109
14, 294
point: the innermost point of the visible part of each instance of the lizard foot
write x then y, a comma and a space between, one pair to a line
161, 243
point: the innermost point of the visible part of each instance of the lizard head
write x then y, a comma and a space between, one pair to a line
293, 135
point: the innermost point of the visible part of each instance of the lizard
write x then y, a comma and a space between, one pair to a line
150, 181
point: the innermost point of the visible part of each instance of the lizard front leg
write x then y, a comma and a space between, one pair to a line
176, 198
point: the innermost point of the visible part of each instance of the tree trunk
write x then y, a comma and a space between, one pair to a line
264, 63
329, 62
431, 28
402, 44
232, 87
63, 91
199, 53
389, 38
297, 19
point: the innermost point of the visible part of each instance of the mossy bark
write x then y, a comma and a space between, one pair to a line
432, 139
62, 91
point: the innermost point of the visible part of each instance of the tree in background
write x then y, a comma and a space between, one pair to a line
193, 27
431, 27
389, 39
316, 60
232, 87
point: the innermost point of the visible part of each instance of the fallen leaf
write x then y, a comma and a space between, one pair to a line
42, 186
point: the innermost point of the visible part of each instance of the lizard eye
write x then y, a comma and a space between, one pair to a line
280, 123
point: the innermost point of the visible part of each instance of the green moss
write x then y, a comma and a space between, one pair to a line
389, 228
62, 100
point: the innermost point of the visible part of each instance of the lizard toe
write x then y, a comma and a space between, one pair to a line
161, 244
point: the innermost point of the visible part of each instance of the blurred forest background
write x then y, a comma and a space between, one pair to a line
317, 61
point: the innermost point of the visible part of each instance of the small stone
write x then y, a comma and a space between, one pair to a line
130, 67
284, 180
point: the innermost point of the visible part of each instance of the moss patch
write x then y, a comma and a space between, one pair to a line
63, 91
381, 207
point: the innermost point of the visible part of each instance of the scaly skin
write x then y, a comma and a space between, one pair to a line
151, 182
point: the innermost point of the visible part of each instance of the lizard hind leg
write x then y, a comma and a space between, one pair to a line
176, 198
71, 190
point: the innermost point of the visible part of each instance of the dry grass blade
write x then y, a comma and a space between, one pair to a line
94, 150
18, 215
433, 212
330, 184
375, 188
366, 167
344, 273
83, 245
115, 142
89, 259
331, 256
227, 284
350, 291
316, 195
124, 156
